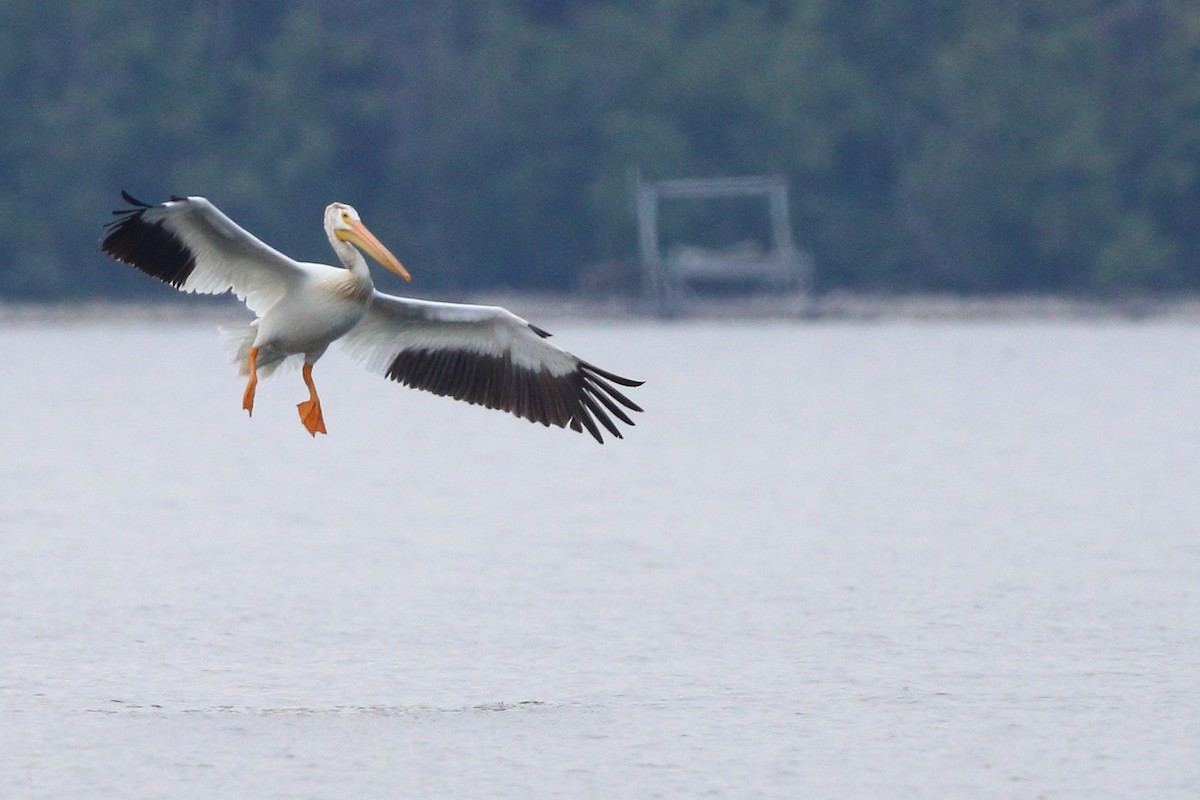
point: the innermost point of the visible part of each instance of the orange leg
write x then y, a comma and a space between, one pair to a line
310, 409
248, 395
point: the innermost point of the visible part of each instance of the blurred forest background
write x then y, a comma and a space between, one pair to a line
944, 145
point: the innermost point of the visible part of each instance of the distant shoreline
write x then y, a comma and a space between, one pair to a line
832, 306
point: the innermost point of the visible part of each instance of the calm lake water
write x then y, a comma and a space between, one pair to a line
832, 560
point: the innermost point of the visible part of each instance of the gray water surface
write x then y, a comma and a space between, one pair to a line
832, 560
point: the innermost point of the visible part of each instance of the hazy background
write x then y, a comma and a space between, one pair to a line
949, 145
887, 559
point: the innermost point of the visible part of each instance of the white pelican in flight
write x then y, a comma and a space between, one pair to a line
484, 355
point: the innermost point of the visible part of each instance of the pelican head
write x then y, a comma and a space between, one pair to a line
343, 224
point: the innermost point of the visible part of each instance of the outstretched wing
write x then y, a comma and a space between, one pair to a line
488, 356
190, 244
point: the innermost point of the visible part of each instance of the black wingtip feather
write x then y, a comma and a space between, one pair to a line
598, 414
613, 392
613, 408
148, 246
133, 201
590, 424
609, 375
577, 400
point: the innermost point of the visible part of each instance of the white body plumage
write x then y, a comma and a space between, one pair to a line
480, 354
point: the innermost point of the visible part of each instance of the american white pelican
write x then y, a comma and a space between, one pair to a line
484, 355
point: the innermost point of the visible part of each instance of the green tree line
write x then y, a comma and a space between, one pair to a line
961, 145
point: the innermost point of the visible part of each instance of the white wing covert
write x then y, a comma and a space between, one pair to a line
190, 244
488, 356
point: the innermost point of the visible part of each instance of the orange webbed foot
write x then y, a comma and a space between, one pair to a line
310, 409
311, 417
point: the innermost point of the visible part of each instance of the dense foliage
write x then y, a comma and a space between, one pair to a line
966, 145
